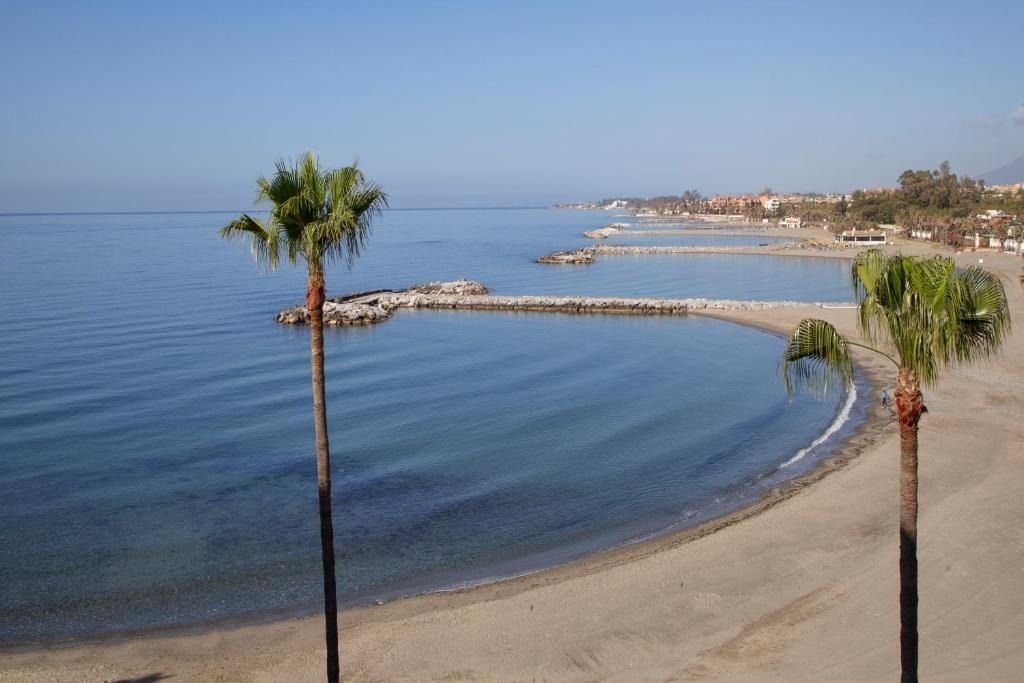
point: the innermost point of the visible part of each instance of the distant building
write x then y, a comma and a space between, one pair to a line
733, 204
791, 222
770, 204
1004, 189
861, 237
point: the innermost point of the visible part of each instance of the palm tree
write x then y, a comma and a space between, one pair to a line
922, 314
316, 217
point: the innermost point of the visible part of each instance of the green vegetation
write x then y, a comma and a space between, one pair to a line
922, 314
316, 217
936, 199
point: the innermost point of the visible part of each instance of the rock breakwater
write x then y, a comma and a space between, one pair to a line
586, 255
363, 312
367, 308
468, 295
582, 256
606, 231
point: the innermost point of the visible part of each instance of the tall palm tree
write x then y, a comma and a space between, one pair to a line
923, 315
316, 217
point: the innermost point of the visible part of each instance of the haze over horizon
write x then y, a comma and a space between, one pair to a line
131, 106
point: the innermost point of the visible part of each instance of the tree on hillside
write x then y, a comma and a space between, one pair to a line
922, 314
316, 217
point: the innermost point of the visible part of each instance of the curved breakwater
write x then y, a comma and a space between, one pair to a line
586, 255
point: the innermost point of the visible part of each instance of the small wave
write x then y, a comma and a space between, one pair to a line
841, 418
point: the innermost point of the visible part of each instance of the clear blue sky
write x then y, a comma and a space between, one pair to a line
179, 105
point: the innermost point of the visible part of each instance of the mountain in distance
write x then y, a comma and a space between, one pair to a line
1010, 174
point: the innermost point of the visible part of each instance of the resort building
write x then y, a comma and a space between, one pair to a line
861, 237
791, 222
770, 204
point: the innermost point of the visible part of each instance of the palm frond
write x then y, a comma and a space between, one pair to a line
354, 206
866, 269
926, 311
262, 241
873, 287
344, 181
315, 215
979, 315
815, 356
280, 187
931, 278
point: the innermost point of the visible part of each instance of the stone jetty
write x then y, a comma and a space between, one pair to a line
586, 255
624, 249
375, 307
624, 231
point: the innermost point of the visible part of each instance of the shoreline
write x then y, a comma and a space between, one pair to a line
838, 455
818, 602
675, 534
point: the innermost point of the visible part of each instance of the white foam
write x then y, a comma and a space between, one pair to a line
841, 418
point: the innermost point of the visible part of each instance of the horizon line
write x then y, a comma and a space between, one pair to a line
204, 211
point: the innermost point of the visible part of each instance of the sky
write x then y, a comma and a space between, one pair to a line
130, 106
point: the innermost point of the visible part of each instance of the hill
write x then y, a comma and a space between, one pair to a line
1012, 173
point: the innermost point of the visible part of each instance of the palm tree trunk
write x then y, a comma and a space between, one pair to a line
315, 307
909, 407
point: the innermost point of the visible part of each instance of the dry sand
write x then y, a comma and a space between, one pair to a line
804, 589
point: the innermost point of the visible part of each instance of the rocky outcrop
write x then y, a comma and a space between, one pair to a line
361, 312
368, 308
453, 287
606, 231
579, 257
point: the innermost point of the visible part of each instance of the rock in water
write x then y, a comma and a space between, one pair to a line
579, 257
463, 287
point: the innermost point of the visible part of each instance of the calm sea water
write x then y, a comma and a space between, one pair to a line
156, 460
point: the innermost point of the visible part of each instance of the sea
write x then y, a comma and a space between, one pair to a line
156, 447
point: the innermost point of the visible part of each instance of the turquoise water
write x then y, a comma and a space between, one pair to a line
157, 464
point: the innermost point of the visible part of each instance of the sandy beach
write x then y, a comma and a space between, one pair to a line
801, 587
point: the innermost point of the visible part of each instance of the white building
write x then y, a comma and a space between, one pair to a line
861, 237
